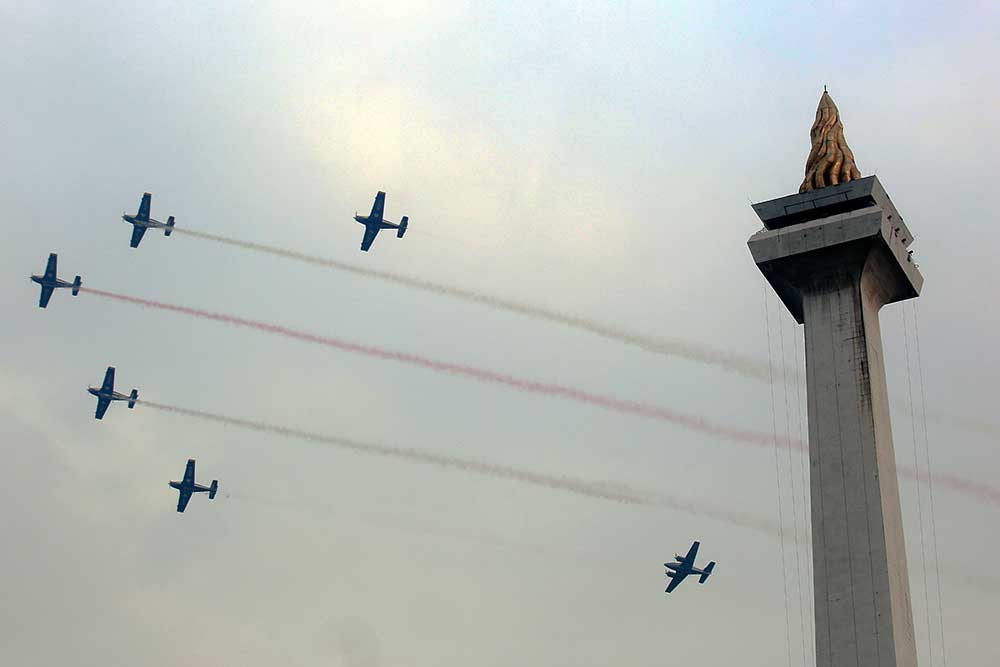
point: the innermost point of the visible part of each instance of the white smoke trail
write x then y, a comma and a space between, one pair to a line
616, 492
957, 575
665, 346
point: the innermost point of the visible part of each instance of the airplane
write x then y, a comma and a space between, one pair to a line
141, 221
684, 565
374, 222
106, 393
49, 282
187, 486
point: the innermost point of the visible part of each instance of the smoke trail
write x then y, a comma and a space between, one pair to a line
665, 346
616, 492
968, 487
619, 494
973, 424
410, 524
745, 366
550, 389
957, 575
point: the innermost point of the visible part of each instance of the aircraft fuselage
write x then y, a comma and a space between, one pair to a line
681, 568
50, 283
109, 395
133, 220
367, 221
193, 488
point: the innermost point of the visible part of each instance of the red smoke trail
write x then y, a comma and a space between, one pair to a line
967, 487
977, 490
670, 347
739, 364
550, 389
616, 492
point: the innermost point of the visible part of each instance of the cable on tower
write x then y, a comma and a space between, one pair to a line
916, 468
806, 500
791, 481
930, 487
777, 475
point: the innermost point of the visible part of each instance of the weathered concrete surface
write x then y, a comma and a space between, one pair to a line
815, 204
834, 274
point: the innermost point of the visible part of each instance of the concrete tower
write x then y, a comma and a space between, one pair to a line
836, 253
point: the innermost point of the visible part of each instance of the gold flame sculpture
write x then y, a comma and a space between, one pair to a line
830, 160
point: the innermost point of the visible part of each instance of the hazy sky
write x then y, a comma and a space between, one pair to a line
595, 159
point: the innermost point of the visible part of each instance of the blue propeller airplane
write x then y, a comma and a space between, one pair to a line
374, 222
141, 221
187, 486
49, 282
106, 393
684, 565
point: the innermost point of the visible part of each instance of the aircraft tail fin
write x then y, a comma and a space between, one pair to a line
402, 227
76, 285
213, 489
170, 226
133, 397
707, 571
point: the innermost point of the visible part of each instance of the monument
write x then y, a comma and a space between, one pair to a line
835, 253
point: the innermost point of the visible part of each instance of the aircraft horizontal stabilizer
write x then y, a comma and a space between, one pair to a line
76, 285
213, 489
707, 571
402, 227
170, 226
133, 397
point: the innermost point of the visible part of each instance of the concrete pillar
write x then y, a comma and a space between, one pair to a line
835, 256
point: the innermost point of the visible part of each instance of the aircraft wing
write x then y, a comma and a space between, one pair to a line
182, 500
143, 213
50, 268
692, 554
675, 582
43, 299
102, 407
137, 232
370, 233
109, 379
189, 473
377, 208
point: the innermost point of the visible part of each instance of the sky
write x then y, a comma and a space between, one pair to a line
596, 160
